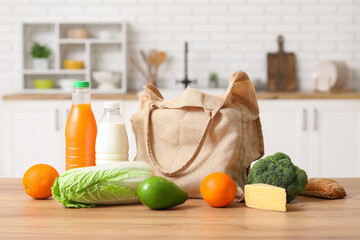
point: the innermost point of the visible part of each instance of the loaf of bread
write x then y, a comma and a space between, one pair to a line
324, 188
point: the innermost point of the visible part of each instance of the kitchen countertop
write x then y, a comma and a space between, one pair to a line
22, 217
308, 95
67, 96
134, 96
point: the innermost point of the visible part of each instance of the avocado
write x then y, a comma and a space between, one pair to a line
159, 193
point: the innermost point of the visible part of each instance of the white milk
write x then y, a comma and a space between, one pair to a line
111, 143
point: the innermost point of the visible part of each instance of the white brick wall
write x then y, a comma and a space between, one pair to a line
224, 35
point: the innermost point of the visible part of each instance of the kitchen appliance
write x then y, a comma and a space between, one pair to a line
281, 69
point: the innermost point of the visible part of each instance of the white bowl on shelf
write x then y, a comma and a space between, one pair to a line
67, 83
105, 34
106, 79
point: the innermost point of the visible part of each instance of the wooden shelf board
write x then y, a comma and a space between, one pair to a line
90, 40
53, 72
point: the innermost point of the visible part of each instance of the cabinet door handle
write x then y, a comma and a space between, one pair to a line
304, 120
67, 113
315, 119
57, 123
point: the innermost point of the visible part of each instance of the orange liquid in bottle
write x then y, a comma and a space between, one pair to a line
80, 136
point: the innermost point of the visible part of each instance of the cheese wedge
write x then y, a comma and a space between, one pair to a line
264, 196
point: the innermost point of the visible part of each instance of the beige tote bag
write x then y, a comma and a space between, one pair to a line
186, 139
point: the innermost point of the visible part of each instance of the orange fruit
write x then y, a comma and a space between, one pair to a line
39, 179
218, 189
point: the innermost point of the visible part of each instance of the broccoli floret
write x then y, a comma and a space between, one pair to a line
278, 170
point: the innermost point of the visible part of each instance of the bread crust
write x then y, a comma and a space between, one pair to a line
324, 188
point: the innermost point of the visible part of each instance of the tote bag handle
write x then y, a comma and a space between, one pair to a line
227, 98
192, 158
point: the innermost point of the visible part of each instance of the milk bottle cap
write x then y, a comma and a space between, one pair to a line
112, 104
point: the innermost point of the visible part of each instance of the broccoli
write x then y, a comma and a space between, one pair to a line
278, 170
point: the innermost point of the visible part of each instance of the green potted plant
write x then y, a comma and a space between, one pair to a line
40, 54
213, 80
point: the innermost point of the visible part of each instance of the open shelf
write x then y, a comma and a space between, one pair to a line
108, 57
42, 33
72, 52
104, 50
29, 78
97, 30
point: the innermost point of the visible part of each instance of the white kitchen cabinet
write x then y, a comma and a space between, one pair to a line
129, 108
336, 138
320, 136
284, 126
32, 135
97, 107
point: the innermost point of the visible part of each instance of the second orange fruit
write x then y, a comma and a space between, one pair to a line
218, 189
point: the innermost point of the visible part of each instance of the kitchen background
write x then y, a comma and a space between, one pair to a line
223, 35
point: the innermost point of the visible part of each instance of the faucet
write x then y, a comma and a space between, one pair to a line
186, 81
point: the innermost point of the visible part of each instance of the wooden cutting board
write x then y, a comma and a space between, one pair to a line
281, 69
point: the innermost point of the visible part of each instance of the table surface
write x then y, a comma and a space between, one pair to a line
22, 217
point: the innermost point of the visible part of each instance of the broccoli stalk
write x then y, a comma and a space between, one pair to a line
278, 170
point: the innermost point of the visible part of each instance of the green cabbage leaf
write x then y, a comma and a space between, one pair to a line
101, 185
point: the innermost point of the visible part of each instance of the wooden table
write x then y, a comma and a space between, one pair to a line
22, 217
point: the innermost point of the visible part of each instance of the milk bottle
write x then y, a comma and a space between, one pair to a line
112, 140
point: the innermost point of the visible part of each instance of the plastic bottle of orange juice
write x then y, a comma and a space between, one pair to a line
81, 130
